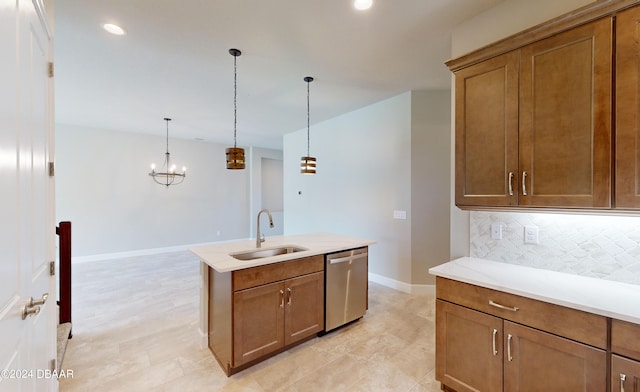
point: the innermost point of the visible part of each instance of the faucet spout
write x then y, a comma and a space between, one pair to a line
260, 236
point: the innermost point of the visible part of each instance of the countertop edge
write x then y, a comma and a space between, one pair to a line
216, 255
592, 295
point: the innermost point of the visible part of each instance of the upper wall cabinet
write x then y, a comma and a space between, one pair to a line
486, 118
628, 109
533, 126
565, 119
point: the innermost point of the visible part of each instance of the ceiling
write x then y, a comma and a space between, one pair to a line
175, 62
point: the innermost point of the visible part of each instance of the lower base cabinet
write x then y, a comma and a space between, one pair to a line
539, 361
260, 311
468, 348
270, 317
625, 374
490, 348
625, 361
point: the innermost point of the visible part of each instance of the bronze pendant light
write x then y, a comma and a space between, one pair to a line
235, 155
308, 163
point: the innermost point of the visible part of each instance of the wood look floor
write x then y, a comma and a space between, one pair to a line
135, 329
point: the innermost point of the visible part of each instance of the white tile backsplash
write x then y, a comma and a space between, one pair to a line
605, 247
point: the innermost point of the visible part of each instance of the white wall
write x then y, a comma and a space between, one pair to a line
506, 19
266, 190
103, 188
430, 188
501, 21
392, 155
364, 174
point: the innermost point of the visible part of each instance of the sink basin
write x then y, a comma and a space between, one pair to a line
266, 252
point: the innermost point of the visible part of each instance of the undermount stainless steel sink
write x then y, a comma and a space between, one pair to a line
266, 252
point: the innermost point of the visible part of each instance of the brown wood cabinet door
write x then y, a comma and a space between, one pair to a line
487, 132
538, 361
304, 315
468, 349
628, 109
625, 374
565, 118
258, 323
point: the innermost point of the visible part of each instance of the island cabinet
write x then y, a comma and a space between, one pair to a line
259, 311
625, 360
488, 340
533, 126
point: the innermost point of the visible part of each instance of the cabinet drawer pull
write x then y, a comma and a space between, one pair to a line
623, 377
510, 183
281, 298
495, 332
289, 293
497, 305
524, 186
509, 347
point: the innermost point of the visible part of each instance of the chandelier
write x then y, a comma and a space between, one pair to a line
168, 175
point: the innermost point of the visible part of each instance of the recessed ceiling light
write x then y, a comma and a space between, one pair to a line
362, 4
114, 29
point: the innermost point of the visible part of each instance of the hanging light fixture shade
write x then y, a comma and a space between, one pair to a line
235, 155
168, 176
308, 163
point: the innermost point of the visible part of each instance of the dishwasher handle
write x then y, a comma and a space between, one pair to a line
348, 258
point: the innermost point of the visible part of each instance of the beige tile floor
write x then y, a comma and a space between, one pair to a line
135, 329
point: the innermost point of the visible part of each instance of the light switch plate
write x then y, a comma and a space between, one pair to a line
399, 214
531, 235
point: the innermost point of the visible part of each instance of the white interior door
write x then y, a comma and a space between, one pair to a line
27, 228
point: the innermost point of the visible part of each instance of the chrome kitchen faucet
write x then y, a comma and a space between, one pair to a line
260, 236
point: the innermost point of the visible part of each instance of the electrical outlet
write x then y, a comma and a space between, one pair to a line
531, 235
496, 231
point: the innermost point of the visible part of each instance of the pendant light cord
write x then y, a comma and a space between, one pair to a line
235, 94
308, 118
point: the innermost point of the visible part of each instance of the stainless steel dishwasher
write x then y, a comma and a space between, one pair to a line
346, 286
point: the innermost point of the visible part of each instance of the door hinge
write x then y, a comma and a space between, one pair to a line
52, 365
52, 169
52, 268
50, 69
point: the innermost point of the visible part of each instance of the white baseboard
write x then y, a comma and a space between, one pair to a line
204, 339
402, 286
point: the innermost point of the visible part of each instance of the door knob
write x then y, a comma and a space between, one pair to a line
32, 307
40, 301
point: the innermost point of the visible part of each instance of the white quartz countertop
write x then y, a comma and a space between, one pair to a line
217, 255
603, 297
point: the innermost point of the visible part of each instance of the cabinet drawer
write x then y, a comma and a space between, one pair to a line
559, 320
257, 276
625, 339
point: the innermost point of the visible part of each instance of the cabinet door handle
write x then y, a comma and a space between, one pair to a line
497, 305
281, 298
495, 351
510, 183
509, 337
524, 186
623, 377
289, 293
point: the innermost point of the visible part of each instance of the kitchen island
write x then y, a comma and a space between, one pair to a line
257, 302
